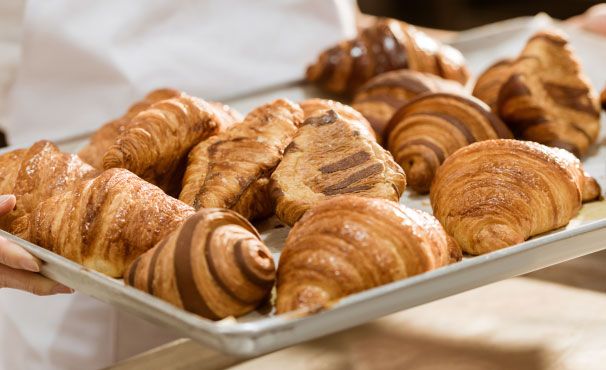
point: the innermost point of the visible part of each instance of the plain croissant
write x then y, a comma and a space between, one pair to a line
429, 128
106, 135
232, 169
214, 265
386, 45
497, 193
36, 174
104, 223
155, 144
348, 244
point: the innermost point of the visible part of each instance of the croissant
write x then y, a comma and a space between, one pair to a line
105, 136
490, 81
497, 193
349, 244
330, 155
155, 144
232, 169
316, 106
36, 174
547, 98
381, 96
603, 98
429, 128
386, 45
104, 223
214, 265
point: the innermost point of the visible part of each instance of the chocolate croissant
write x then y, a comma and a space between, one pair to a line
603, 98
547, 98
385, 46
497, 193
381, 96
155, 144
332, 154
316, 106
36, 174
214, 265
232, 169
104, 223
490, 81
349, 244
105, 136
429, 128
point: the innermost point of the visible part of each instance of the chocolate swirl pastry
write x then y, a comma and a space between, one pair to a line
547, 98
385, 46
232, 169
490, 81
330, 155
214, 265
314, 107
381, 96
429, 128
349, 244
497, 193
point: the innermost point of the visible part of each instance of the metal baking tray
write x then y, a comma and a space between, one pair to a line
259, 333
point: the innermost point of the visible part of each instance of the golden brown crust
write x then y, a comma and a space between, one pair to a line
214, 265
603, 98
105, 136
231, 170
349, 244
490, 81
432, 126
547, 98
382, 95
385, 46
104, 223
497, 193
331, 155
316, 106
36, 174
155, 144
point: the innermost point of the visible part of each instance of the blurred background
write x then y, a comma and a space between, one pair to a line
464, 14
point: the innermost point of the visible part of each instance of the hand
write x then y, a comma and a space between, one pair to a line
593, 20
18, 268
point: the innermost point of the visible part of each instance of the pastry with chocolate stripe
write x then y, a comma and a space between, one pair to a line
548, 99
386, 45
332, 154
603, 98
490, 81
432, 126
380, 98
215, 265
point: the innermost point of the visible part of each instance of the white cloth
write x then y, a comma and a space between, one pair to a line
82, 64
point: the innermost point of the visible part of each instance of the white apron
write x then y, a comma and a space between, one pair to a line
82, 64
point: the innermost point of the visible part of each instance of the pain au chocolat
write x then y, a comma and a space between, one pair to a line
548, 99
386, 45
432, 126
332, 154
348, 244
381, 96
497, 193
232, 169
489, 83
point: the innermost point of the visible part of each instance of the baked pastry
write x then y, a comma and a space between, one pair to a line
105, 136
316, 106
603, 98
432, 126
349, 244
155, 144
330, 155
36, 174
547, 98
381, 96
104, 223
490, 81
232, 169
497, 193
385, 46
214, 265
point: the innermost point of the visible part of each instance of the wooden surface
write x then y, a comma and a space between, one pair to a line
551, 319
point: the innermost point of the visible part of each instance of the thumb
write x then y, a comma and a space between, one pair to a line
7, 203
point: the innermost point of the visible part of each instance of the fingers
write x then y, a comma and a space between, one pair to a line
30, 282
7, 203
16, 257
